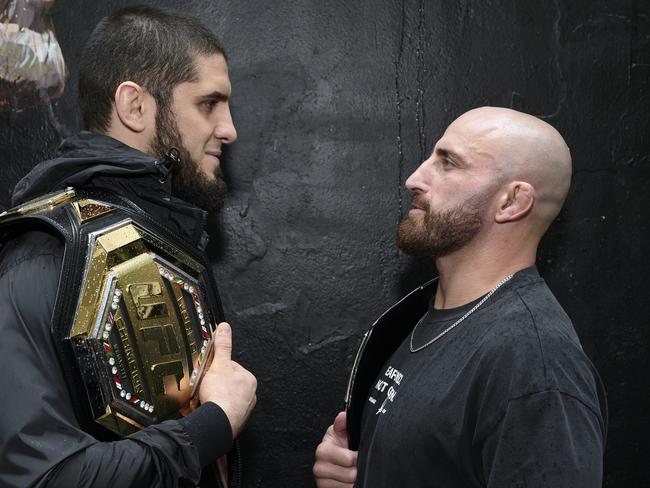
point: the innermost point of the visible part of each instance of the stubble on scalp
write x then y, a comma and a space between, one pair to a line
441, 233
188, 181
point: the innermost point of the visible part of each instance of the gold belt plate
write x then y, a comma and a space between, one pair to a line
142, 311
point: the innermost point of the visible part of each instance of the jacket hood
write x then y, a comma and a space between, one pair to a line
93, 160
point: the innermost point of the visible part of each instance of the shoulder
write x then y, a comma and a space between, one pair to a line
530, 350
30, 266
531, 342
529, 317
29, 248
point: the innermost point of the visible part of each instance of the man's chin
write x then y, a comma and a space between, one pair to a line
198, 189
408, 237
411, 226
211, 171
209, 178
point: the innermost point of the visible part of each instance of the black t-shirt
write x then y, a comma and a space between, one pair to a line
505, 399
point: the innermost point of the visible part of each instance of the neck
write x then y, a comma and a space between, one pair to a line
135, 140
467, 274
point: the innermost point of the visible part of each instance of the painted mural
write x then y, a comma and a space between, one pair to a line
32, 69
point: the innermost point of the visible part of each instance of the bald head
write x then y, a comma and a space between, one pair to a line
494, 183
520, 147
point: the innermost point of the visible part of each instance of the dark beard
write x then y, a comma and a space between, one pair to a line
439, 234
188, 181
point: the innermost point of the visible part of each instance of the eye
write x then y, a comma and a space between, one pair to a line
209, 105
446, 163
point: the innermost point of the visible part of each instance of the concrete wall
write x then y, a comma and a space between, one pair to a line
336, 102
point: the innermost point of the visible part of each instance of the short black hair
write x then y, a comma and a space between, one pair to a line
155, 48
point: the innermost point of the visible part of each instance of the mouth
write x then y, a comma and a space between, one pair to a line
211, 165
214, 156
417, 205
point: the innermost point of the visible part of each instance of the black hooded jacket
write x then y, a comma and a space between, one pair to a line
41, 443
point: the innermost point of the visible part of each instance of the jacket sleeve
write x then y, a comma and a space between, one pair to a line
41, 443
545, 439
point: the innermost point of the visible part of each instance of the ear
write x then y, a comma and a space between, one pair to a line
133, 106
516, 202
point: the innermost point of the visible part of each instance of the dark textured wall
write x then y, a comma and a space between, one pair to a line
336, 103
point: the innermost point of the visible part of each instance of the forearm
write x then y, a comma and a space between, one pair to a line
168, 454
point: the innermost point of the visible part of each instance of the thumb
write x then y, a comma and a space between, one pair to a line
340, 428
223, 343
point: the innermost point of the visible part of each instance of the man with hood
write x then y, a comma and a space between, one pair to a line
97, 354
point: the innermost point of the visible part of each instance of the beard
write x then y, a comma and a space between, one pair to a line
441, 233
189, 183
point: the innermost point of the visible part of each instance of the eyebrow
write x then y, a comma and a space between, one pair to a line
215, 96
449, 154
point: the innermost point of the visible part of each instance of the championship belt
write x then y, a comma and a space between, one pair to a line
136, 308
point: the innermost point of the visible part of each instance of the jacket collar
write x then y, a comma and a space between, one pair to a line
89, 160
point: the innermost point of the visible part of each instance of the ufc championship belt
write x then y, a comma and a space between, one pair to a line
135, 312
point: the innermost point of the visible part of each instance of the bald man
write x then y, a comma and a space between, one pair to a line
476, 379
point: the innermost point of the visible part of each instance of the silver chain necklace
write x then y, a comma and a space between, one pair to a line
469, 312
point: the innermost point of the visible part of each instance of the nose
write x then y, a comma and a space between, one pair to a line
225, 129
415, 182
